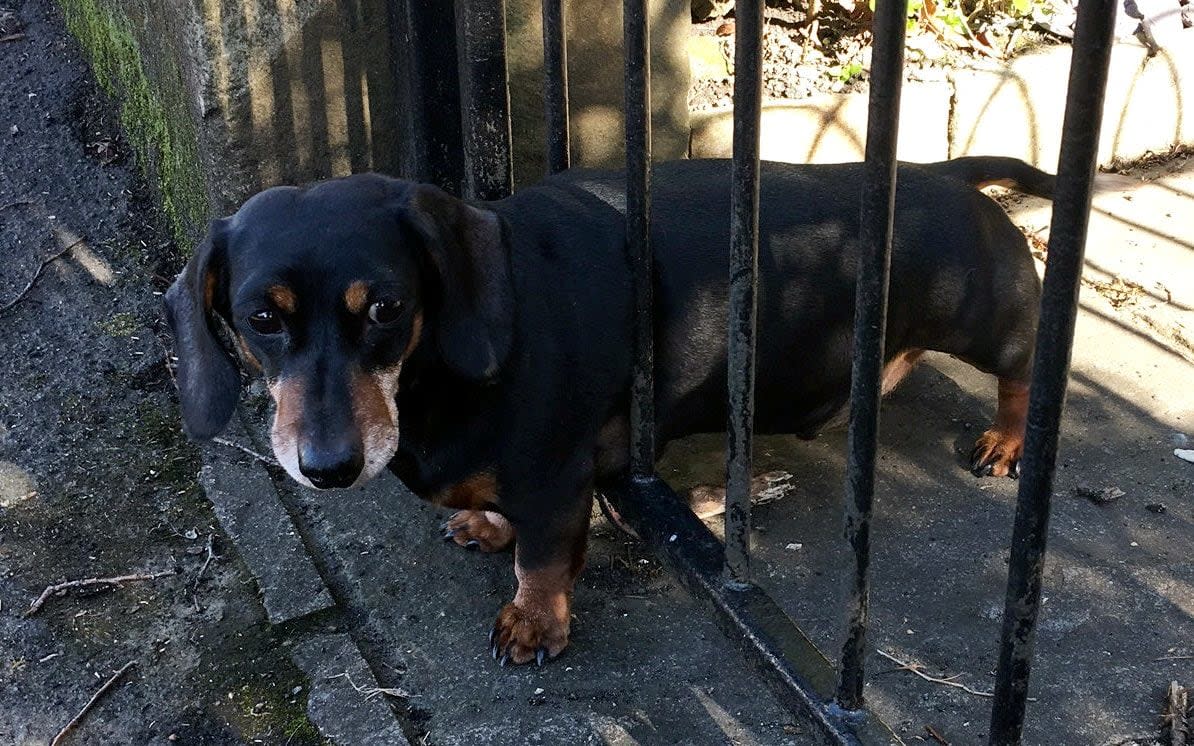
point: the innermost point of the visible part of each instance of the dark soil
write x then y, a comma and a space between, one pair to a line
835, 57
95, 476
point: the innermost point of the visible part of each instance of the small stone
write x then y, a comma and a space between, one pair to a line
539, 691
295, 690
794, 546
14, 130
1185, 454
1099, 496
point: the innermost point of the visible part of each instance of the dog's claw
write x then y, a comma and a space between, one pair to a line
505, 659
492, 632
540, 657
472, 544
493, 651
448, 535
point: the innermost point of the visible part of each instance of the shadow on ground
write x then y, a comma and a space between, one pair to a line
1119, 584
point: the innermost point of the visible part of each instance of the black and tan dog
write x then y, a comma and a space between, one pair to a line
483, 351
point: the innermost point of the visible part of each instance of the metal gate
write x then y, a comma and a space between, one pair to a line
456, 112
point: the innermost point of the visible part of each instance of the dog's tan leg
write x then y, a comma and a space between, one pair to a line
997, 451
486, 530
547, 560
899, 367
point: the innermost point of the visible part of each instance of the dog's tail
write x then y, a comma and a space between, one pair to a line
1013, 173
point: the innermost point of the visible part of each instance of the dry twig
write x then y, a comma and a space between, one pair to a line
91, 703
371, 691
935, 735
15, 203
11, 37
89, 582
33, 280
249, 451
211, 554
1177, 706
916, 669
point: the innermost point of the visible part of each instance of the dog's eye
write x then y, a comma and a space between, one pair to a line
385, 311
265, 322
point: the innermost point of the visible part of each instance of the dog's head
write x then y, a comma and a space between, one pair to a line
328, 291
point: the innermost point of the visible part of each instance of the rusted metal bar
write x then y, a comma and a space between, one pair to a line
425, 70
1054, 342
555, 84
484, 98
870, 325
744, 280
637, 35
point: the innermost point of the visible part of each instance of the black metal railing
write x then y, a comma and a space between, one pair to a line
472, 155
870, 328
637, 42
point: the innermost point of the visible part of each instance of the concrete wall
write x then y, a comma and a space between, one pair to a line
1015, 111
224, 97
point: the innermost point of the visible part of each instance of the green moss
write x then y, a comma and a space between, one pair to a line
154, 117
120, 325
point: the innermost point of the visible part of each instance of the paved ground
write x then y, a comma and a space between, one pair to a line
1120, 580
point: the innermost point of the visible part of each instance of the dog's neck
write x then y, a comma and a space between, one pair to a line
446, 428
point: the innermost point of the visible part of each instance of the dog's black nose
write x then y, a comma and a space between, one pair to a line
331, 468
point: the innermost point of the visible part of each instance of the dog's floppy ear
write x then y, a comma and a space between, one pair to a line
466, 247
208, 378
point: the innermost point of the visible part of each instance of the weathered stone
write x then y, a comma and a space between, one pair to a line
706, 58
703, 10
222, 98
343, 702
1019, 111
647, 663
245, 501
595, 82
832, 128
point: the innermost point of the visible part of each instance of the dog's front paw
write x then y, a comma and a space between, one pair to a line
479, 529
997, 454
535, 629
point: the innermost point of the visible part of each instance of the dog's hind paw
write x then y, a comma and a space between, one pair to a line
479, 529
997, 454
521, 635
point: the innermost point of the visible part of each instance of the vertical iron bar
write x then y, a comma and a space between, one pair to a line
1054, 342
484, 98
744, 271
637, 36
425, 67
870, 324
555, 87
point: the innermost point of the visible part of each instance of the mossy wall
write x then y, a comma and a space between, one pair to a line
222, 98
153, 110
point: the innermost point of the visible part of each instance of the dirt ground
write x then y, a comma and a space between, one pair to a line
95, 477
